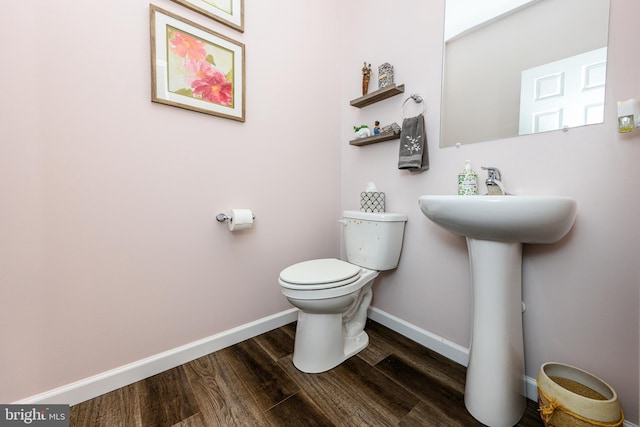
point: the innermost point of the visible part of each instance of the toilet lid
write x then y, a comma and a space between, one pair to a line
319, 274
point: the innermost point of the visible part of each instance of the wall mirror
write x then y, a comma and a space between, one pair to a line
515, 67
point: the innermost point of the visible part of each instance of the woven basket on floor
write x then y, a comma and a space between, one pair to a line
571, 397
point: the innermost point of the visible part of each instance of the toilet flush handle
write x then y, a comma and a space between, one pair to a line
343, 221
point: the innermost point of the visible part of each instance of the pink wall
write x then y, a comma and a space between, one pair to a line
109, 248
109, 251
582, 294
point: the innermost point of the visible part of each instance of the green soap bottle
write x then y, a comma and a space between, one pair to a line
467, 181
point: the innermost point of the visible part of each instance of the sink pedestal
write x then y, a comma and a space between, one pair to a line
495, 389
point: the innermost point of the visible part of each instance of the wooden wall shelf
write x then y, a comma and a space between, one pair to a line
378, 95
385, 136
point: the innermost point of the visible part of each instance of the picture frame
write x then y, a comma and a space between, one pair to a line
228, 12
195, 68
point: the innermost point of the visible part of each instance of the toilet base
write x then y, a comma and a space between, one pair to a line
355, 345
317, 348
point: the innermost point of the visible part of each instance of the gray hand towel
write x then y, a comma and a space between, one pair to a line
414, 155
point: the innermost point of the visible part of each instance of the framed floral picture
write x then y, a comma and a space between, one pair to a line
195, 68
229, 12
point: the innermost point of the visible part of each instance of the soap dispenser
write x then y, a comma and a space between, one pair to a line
467, 181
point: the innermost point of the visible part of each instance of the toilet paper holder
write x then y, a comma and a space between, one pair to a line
221, 217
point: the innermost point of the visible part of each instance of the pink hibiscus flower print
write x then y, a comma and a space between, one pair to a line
187, 47
214, 87
197, 70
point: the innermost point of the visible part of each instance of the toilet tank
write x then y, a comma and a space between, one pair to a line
373, 239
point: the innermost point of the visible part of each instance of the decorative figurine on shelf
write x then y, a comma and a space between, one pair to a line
376, 128
385, 75
366, 76
362, 131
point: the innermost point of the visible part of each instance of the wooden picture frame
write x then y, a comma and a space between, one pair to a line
228, 12
195, 68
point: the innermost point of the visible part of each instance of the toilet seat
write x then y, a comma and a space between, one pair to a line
319, 274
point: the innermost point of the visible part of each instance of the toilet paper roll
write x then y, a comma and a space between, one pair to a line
240, 219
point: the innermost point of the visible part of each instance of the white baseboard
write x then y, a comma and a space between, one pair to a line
531, 388
105, 382
434, 342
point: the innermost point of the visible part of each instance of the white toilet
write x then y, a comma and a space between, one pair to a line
333, 295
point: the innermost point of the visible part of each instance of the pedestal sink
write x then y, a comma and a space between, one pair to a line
495, 228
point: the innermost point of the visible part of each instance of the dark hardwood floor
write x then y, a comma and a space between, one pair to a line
393, 382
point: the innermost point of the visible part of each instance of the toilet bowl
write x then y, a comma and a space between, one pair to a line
332, 296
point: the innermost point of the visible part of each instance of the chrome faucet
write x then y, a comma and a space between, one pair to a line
495, 187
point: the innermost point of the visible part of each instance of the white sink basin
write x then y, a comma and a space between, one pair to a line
524, 219
495, 228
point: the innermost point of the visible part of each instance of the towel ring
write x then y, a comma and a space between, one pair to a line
418, 99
